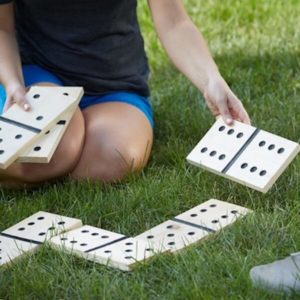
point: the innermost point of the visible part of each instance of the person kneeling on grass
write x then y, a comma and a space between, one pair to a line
98, 45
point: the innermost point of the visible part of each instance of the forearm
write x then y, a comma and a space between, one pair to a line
188, 50
10, 63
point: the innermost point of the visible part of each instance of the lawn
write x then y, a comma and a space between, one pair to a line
256, 45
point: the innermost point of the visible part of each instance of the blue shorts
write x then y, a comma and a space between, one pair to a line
33, 74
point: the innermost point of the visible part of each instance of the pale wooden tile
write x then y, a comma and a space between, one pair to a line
84, 239
11, 249
219, 145
213, 214
123, 255
263, 161
42, 226
48, 105
234, 152
43, 150
171, 236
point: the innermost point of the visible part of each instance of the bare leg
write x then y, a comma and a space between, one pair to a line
118, 140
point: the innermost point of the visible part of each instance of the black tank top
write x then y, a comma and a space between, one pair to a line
96, 44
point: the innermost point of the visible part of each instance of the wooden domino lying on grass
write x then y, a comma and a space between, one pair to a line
245, 154
118, 251
26, 236
102, 246
192, 226
19, 129
43, 150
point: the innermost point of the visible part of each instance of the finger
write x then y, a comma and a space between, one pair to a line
239, 110
212, 107
20, 98
225, 112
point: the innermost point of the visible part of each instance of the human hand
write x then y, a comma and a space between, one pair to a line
222, 101
16, 93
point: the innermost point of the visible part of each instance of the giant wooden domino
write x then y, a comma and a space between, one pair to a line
29, 234
245, 154
44, 148
19, 129
116, 250
192, 225
103, 246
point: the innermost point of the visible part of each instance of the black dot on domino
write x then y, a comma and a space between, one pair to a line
271, 147
39, 118
222, 156
261, 143
263, 172
213, 153
36, 96
37, 148
244, 165
203, 150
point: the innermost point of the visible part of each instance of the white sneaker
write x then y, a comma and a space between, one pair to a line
279, 276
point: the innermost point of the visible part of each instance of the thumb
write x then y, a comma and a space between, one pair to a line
225, 113
19, 97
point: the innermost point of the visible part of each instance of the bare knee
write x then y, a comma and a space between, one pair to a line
112, 164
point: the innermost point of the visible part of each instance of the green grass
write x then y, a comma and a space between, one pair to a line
256, 45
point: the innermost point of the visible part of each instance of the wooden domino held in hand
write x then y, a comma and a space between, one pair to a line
44, 148
20, 129
245, 154
27, 235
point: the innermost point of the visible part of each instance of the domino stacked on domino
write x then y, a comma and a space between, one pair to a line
23, 133
26, 236
245, 154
